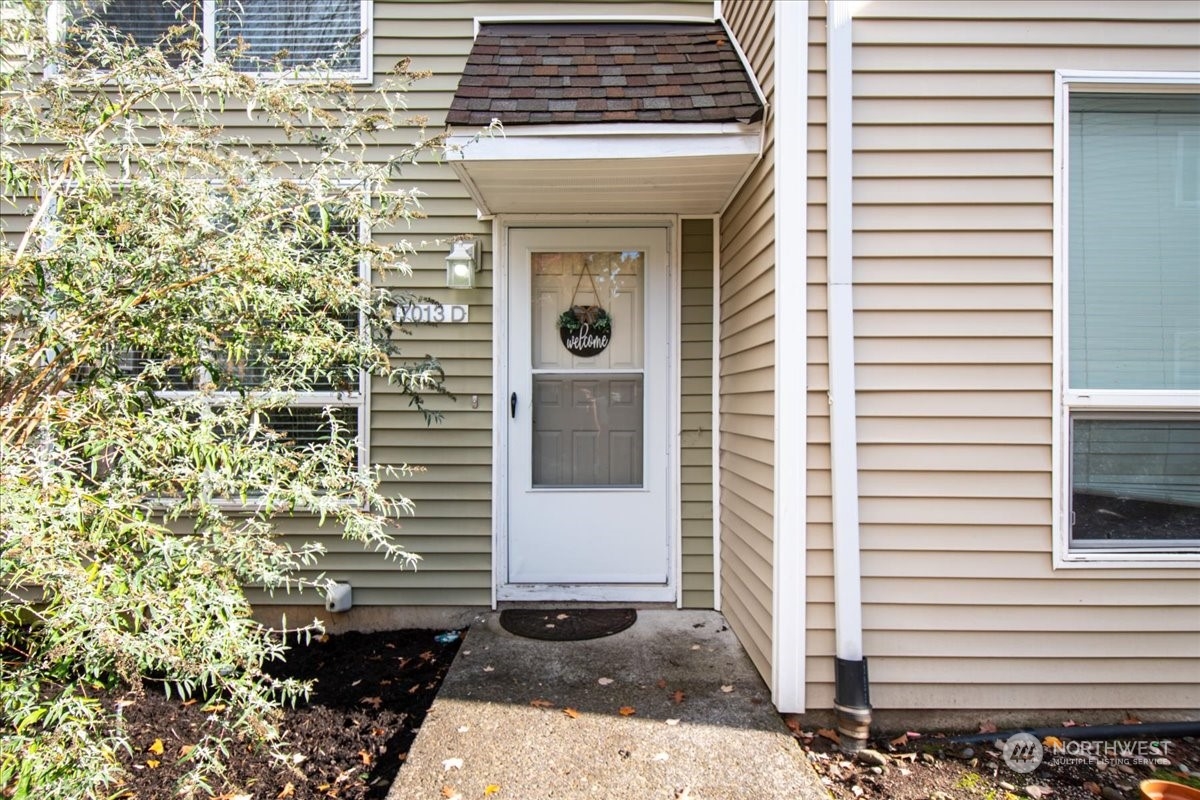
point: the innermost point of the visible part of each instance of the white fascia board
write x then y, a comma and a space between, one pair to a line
572, 19
737, 47
603, 142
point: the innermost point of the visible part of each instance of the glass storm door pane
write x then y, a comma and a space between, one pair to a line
587, 430
1135, 481
588, 412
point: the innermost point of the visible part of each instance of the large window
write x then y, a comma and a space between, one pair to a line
1131, 376
312, 411
258, 36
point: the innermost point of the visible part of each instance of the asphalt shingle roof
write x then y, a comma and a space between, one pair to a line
570, 73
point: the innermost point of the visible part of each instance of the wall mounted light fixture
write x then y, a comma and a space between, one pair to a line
462, 264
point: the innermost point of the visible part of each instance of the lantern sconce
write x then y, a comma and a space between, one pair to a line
462, 264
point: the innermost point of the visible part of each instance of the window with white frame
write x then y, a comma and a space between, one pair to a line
1131, 335
311, 414
258, 36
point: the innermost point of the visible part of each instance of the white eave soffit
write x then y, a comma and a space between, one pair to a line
685, 168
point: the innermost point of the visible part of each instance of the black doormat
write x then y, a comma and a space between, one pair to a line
566, 625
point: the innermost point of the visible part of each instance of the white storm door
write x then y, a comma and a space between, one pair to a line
589, 436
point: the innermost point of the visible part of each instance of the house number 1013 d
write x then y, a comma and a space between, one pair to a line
432, 313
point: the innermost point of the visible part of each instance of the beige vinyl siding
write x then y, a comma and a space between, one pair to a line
695, 442
818, 645
746, 374
953, 244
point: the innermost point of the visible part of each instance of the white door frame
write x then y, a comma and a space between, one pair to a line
501, 590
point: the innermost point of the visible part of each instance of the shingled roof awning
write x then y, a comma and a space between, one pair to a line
605, 117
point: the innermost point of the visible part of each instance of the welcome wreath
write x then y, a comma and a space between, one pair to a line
585, 330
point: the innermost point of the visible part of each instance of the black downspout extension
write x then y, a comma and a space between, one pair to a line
1166, 730
852, 703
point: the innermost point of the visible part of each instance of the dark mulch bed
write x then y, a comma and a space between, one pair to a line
350, 738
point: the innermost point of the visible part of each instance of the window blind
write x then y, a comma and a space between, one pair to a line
289, 33
1134, 242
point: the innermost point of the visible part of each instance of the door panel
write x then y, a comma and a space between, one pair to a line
588, 441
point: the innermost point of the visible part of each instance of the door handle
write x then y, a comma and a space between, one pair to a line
512, 405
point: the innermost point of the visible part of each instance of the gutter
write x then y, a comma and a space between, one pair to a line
852, 704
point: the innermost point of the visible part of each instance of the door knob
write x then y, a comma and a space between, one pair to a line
512, 405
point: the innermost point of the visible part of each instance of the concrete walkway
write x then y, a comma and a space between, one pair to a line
604, 719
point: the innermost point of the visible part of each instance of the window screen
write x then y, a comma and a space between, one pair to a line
289, 33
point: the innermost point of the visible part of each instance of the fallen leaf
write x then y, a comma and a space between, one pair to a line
449, 793
563, 616
1093, 788
793, 724
1037, 791
323, 638
366, 757
156, 748
287, 791
987, 726
489, 668
912, 734
490, 790
373, 702
189, 702
185, 749
541, 703
662, 683
1130, 719
626, 711
215, 708
1053, 741
428, 655
123, 703
416, 687
672, 722
678, 696
830, 734
726, 687
152, 764
1070, 723
572, 713
899, 741
452, 763
604, 681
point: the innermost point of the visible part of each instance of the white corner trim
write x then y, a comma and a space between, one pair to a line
791, 357
716, 410
843, 414
499, 405
675, 360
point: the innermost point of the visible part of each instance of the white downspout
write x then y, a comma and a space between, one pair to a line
851, 700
